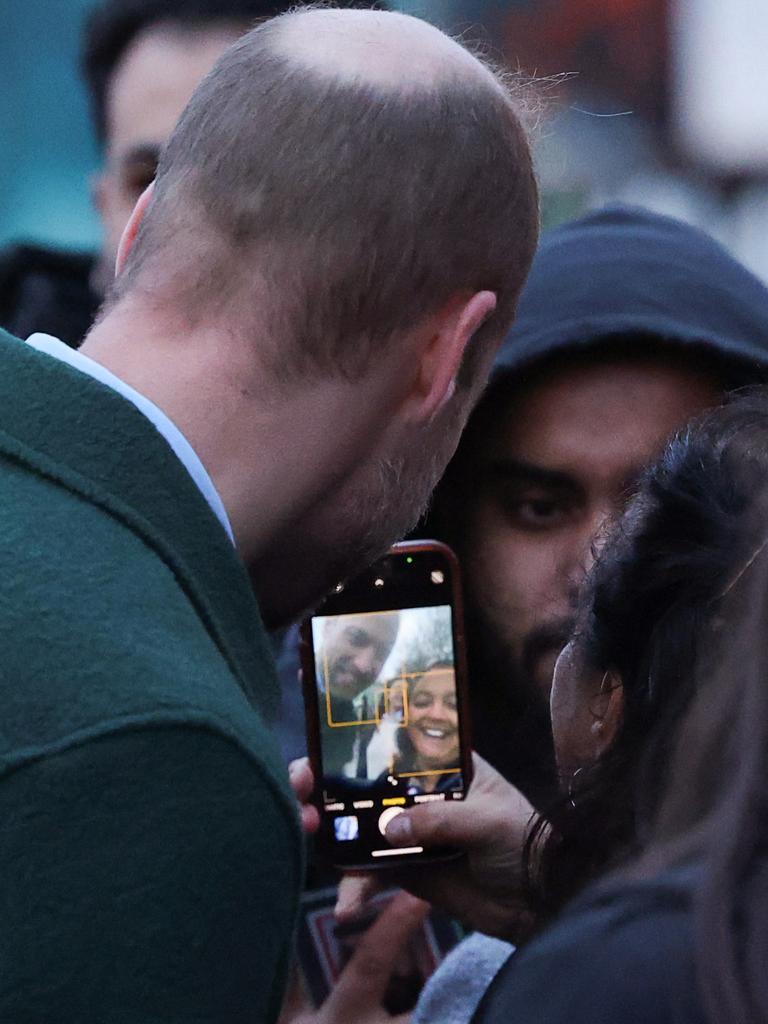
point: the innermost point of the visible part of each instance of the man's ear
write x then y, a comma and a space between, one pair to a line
607, 708
129, 234
443, 345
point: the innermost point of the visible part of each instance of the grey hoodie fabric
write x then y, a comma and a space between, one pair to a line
454, 991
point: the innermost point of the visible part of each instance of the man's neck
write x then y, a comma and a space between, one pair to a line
265, 447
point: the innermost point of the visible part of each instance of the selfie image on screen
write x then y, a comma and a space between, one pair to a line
387, 699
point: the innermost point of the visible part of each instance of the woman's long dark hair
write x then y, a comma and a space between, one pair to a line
650, 607
715, 809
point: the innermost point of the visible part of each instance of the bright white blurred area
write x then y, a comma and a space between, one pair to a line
721, 113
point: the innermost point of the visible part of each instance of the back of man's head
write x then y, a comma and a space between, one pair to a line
337, 177
113, 25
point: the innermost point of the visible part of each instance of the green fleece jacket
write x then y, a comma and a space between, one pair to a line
150, 856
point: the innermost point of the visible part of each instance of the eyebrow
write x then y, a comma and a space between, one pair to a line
520, 471
144, 153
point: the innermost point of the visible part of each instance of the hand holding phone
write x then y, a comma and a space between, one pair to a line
485, 889
387, 712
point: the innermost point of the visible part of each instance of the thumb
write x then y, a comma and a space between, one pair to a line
463, 825
493, 812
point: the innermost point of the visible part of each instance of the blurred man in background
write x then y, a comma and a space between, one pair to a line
630, 324
141, 61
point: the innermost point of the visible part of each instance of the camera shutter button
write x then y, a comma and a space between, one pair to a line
386, 816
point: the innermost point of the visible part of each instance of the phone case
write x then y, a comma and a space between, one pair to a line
326, 849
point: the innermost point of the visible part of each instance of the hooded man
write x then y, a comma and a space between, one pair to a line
630, 324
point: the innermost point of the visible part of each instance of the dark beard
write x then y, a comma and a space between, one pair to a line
510, 715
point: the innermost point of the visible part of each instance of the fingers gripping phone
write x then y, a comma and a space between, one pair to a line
384, 672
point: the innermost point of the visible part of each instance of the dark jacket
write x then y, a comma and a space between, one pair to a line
47, 290
150, 856
624, 954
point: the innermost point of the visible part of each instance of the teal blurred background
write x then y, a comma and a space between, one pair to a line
48, 148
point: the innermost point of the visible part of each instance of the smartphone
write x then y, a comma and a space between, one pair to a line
385, 690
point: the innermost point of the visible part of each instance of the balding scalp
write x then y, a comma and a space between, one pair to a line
314, 189
395, 52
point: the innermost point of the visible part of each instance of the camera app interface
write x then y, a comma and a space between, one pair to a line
389, 722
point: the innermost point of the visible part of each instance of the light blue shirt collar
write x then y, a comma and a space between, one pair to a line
181, 447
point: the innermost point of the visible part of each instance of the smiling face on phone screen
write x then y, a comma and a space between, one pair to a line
433, 720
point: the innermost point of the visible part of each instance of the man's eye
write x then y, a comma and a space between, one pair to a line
358, 637
421, 701
139, 177
539, 513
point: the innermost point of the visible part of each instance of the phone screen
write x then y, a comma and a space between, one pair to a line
387, 693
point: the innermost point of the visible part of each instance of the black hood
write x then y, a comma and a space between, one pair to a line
627, 273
